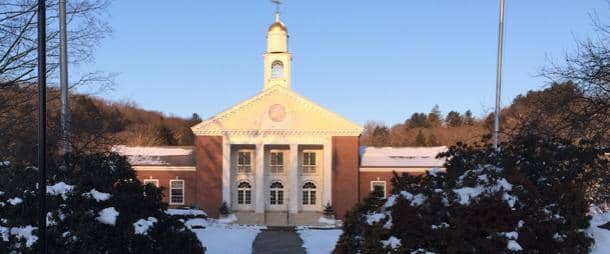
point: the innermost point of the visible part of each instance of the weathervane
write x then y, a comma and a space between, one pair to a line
277, 5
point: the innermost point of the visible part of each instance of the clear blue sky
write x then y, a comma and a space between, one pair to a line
366, 60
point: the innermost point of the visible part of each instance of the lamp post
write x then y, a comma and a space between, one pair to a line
499, 77
42, 133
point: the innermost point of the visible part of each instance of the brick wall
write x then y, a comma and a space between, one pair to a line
189, 177
345, 173
209, 173
367, 177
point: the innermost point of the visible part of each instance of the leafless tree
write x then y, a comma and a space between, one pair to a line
18, 58
588, 67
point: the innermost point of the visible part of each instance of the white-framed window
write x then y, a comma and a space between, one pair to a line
378, 188
309, 193
309, 162
244, 193
276, 161
277, 69
154, 182
276, 193
244, 161
176, 192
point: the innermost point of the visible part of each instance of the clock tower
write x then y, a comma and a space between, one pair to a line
277, 59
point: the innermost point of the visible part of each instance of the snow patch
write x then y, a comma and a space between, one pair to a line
142, 226
196, 223
442, 225
513, 245
227, 238
185, 212
319, 241
228, 219
98, 196
60, 188
4, 233
108, 216
374, 218
25, 233
327, 221
391, 201
601, 236
15, 201
392, 242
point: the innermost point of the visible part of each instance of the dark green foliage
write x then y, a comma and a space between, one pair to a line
166, 136
418, 120
195, 119
432, 141
380, 136
434, 117
329, 211
534, 192
420, 139
74, 227
468, 118
454, 119
224, 209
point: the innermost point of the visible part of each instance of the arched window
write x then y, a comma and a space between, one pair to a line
244, 193
276, 193
277, 69
309, 193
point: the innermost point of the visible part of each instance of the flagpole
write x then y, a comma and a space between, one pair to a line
499, 77
42, 133
63, 78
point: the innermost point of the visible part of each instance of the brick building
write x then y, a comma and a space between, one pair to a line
276, 156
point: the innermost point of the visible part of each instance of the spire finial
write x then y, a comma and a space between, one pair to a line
277, 9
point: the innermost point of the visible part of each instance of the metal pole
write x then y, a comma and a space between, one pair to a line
63, 78
499, 77
42, 120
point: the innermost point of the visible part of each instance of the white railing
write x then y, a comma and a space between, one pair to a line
276, 168
244, 168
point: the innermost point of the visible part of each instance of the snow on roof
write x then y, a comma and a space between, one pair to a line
157, 155
401, 156
152, 150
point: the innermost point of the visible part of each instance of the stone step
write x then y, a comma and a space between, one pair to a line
280, 228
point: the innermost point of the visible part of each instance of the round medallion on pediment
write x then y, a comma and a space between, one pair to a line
277, 113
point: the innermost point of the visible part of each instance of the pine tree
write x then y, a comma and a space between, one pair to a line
420, 139
195, 119
468, 118
165, 136
454, 119
432, 141
329, 211
74, 224
381, 136
435, 118
418, 120
224, 209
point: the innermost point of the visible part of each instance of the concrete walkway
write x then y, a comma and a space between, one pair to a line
278, 240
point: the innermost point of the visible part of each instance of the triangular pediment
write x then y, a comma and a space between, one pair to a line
277, 110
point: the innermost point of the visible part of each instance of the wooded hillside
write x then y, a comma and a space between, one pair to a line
95, 124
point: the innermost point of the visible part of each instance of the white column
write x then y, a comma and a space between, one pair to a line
259, 185
328, 172
293, 179
226, 172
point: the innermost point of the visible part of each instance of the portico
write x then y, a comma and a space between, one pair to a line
292, 176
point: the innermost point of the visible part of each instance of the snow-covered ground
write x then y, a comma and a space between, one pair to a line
226, 238
601, 236
319, 241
